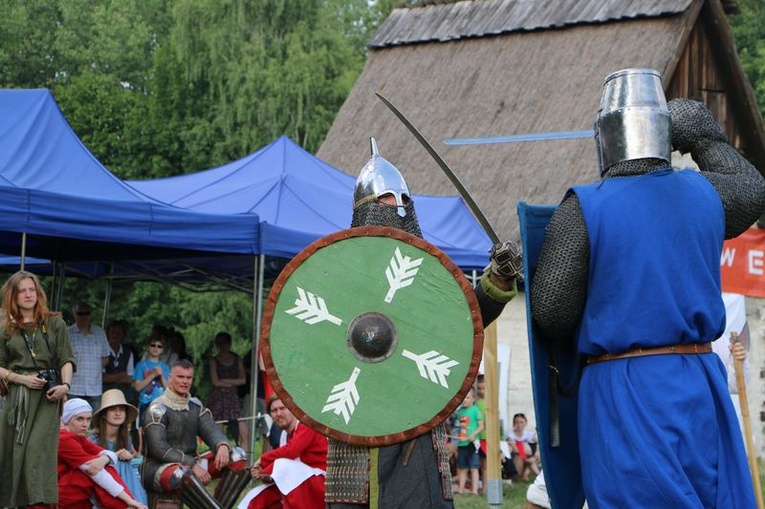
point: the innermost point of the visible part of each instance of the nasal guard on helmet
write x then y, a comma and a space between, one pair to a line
379, 177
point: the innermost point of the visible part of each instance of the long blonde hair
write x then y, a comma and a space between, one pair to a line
10, 316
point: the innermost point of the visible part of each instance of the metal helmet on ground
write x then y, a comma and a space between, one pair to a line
379, 177
633, 120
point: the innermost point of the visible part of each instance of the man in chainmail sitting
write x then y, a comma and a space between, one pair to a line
415, 473
630, 271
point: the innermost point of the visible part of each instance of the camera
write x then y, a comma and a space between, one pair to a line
51, 378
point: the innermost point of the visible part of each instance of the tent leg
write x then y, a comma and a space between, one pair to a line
23, 251
257, 311
107, 296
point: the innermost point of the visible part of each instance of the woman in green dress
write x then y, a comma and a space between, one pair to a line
33, 341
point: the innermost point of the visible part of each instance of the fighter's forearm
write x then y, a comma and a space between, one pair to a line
740, 186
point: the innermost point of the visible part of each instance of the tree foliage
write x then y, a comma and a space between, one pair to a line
162, 87
749, 32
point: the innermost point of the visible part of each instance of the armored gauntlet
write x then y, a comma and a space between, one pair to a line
506, 260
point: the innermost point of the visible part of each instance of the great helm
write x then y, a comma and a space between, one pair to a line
633, 120
379, 177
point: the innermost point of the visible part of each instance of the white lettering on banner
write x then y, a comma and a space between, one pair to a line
727, 256
756, 263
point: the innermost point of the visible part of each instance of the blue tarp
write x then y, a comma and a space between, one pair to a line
299, 198
74, 209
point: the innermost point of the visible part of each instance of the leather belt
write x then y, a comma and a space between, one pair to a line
659, 350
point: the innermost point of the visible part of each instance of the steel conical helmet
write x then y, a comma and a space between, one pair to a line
379, 177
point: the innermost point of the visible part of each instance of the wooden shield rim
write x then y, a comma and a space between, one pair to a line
392, 438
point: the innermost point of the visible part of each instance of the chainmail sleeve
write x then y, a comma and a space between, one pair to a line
739, 185
559, 285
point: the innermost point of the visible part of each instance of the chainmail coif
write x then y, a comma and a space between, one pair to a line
559, 287
372, 213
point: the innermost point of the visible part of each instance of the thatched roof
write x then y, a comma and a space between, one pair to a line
534, 70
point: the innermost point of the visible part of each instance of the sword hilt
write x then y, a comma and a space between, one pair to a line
506, 260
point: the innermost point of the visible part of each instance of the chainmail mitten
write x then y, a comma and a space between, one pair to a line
692, 125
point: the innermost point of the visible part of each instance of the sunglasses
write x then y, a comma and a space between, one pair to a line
157, 345
82, 313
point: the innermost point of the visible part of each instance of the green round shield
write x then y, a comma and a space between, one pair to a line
372, 336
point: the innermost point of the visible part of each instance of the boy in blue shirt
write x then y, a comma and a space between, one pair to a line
150, 375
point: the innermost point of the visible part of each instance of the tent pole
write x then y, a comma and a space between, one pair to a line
108, 296
257, 311
23, 251
53, 283
59, 288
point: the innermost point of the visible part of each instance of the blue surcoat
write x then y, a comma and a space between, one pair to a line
656, 431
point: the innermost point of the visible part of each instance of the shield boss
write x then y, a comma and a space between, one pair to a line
372, 336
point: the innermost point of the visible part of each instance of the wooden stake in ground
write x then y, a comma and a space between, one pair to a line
751, 453
491, 419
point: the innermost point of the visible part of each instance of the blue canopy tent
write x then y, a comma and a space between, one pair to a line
299, 198
57, 202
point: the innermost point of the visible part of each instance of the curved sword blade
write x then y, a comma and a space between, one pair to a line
472, 205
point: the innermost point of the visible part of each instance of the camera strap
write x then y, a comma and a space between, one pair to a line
31, 348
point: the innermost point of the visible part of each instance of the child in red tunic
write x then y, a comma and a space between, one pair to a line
84, 469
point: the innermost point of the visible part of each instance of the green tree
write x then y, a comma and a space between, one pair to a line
259, 69
749, 32
27, 50
104, 80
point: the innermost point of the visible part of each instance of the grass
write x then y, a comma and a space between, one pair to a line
513, 497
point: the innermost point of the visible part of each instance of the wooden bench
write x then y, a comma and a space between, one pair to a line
164, 501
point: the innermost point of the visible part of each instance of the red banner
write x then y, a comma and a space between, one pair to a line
742, 264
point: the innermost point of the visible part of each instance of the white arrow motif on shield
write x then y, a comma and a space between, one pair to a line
311, 309
400, 273
344, 397
432, 365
